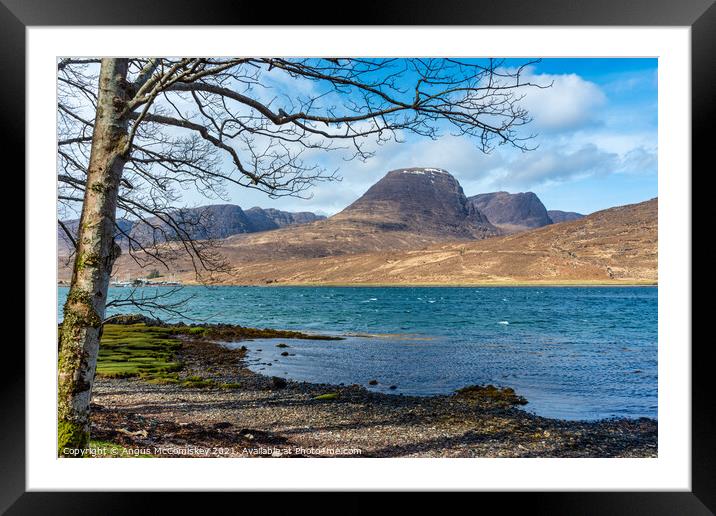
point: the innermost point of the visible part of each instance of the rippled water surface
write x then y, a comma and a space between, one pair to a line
573, 352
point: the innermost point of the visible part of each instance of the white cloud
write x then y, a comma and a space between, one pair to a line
570, 103
581, 134
555, 165
639, 161
559, 165
477, 172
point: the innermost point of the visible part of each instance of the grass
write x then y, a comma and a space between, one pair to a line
148, 352
197, 381
327, 396
138, 350
229, 385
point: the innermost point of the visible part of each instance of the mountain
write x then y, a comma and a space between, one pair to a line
415, 226
618, 245
216, 221
512, 212
558, 216
265, 219
425, 200
410, 208
124, 227
202, 223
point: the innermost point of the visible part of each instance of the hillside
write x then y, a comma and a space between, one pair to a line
406, 209
266, 219
618, 245
558, 216
409, 208
124, 227
205, 222
215, 221
416, 226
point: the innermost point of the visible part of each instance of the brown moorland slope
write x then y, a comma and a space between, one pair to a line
614, 246
407, 209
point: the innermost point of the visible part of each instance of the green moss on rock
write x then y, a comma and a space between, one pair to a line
327, 396
499, 396
70, 435
138, 350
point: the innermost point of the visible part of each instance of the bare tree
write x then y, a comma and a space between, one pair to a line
134, 133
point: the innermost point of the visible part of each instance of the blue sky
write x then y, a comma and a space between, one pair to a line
596, 136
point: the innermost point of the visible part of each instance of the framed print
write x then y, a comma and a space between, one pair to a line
439, 249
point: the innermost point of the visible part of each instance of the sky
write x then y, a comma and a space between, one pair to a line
596, 139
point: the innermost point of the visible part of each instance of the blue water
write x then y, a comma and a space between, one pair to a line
574, 353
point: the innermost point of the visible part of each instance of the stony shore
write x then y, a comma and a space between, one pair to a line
262, 417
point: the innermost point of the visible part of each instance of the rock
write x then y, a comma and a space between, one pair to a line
201, 223
512, 212
136, 319
265, 219
425, 200
282, 345
505, 396
558, 216
284, 354
218, 221
279, 382
138, 433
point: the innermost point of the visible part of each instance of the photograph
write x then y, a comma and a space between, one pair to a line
443, 248
357, 257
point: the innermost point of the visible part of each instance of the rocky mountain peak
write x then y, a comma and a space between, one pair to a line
512, 212
426, 200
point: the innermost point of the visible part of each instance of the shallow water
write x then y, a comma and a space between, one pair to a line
573, 352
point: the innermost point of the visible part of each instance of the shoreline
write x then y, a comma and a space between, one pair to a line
263, 416
534, 284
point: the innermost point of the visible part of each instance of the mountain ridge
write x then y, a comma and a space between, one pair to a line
416, 226
215, 221
558, 216
512, 212
614, 246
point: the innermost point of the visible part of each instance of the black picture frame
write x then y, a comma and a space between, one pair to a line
700, 15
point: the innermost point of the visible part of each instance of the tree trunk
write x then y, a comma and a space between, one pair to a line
96, 251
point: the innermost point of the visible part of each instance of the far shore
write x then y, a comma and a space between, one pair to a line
551, 283
564, 283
